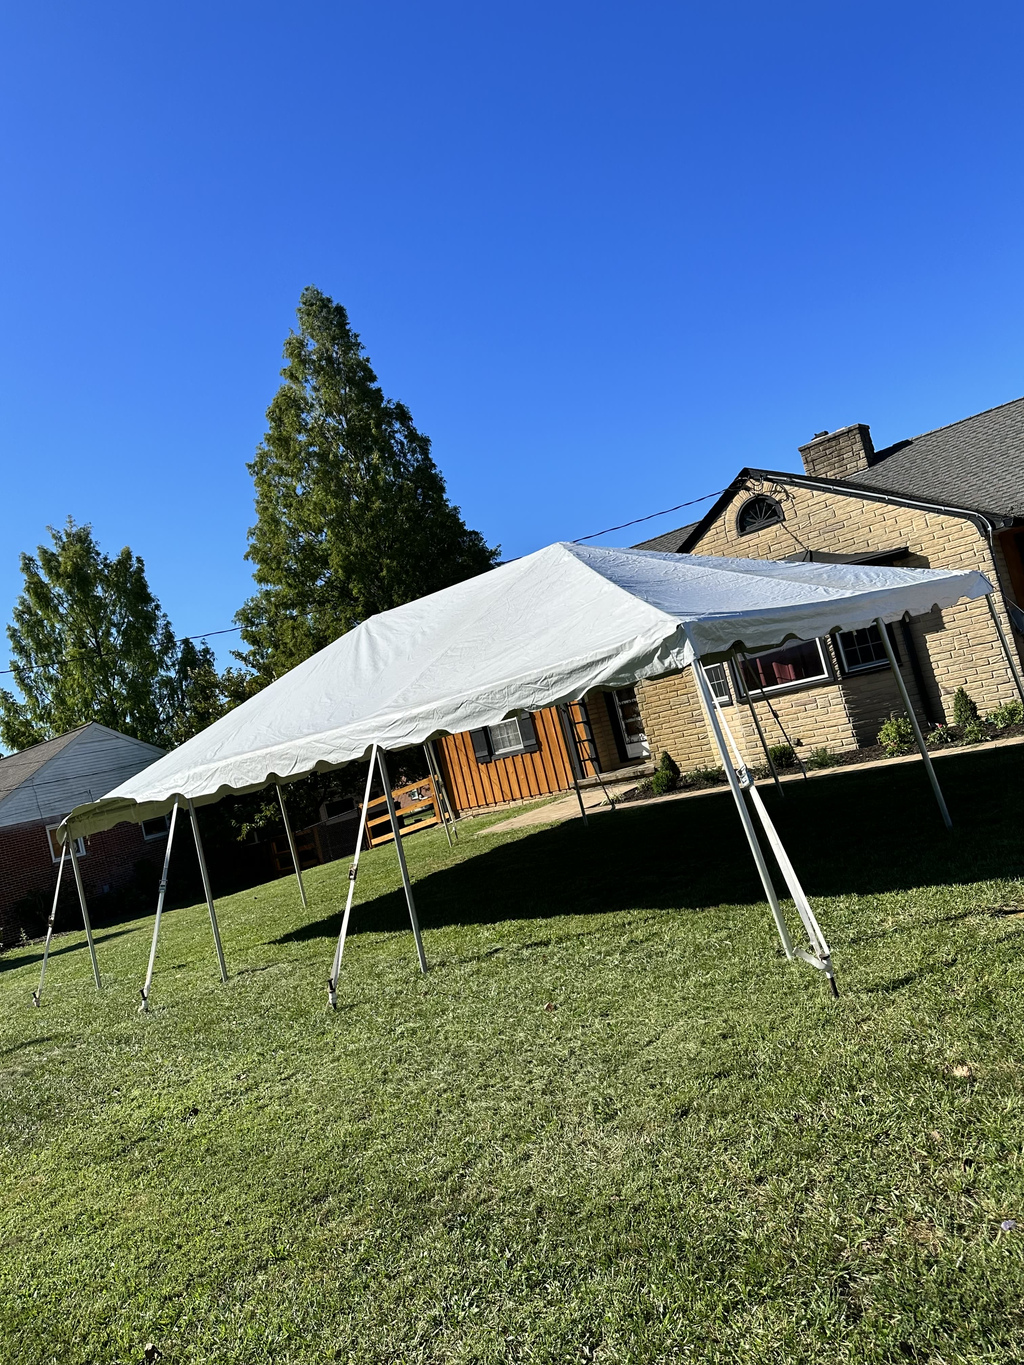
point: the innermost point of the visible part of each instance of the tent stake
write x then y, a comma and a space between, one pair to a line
1014, 671
291, 845
432, 752
741, 806
414, 921
37, 995
161, 894
209, 894
353, 872
905, 696
85, 911
438, 801
574, 760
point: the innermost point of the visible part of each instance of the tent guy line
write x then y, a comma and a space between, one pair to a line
538, 632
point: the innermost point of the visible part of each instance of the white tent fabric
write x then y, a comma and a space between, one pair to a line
536, 632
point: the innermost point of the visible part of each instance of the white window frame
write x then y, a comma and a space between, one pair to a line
845, 664
511, 750
825, 676
158, 834
718, 680
55, 857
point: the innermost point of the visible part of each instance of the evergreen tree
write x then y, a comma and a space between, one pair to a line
352, 517
89, 642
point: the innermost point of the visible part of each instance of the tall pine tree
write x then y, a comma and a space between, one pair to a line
352, 517
89, 642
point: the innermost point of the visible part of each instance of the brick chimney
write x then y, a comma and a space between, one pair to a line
839, 454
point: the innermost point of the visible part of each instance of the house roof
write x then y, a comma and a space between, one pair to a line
18, 768
976, 463
668, 543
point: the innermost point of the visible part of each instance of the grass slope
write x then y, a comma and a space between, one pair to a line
612, 1124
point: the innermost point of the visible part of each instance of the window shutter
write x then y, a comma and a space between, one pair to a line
481, 746
529, 733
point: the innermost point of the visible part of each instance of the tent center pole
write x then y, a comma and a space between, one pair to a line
353, 872
704, 690
905, 698
162, 893
85, 911
37, 995
208, 893
1014, 670
291, 845
413, 919
574, 758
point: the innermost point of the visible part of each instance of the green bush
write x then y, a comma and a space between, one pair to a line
974, 732
896, 735
964, 709
662, 782
1010, 714
940, 735
667, 764
821, 758
704, 777
782, 755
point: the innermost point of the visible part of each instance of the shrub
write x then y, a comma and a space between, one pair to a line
704, 777
940, 735
821, 758
964, 709
974, 732
896, 735
1010, 714
662, 782
782, 755
667, 764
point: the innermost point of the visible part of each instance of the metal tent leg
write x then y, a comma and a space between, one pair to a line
208, 893
413, 920
905, 697
353, 872
1014, 670
144, 1007
37, 995
85, 912
438, 799
741, 806
432, 752
764, 745
574, 761
291, 846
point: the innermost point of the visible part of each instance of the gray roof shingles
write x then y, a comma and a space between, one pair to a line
18, 768
669, 542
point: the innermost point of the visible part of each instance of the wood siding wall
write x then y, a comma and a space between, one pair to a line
472, 785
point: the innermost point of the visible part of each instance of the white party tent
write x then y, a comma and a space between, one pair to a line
540, 631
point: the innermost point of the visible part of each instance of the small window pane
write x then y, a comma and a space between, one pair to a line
757, 513
506, 738
718, 680
862, 648
801, 661
155, 828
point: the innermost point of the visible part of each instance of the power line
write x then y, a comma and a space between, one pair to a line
650, 517
228, 630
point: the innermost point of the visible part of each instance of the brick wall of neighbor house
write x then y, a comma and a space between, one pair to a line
957, 647
26, 868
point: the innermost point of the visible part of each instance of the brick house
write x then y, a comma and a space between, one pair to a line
951, 498
38, 787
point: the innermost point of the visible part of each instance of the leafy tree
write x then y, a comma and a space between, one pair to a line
352, 517
89, 641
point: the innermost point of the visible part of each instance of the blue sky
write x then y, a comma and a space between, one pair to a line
607, 254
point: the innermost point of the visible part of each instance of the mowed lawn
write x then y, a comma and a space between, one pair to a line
612, 1124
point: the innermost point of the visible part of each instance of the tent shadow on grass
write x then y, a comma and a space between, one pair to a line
859, 833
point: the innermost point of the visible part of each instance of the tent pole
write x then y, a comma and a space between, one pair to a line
573, 760
438, 801
764, 746
441, 787
291, 845
353, 872
209, 894
905, 696
85, 911
413, 920
1014, 672
37, 995
144, 1007
741, 805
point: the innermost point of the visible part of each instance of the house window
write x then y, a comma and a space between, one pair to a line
718, 680
504, 740
757, 513
794, 665
56, 846
628, 710
861, 649
155, 828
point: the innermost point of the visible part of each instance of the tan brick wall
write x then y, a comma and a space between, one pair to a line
956, 647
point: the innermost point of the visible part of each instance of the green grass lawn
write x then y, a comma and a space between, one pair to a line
612, 1124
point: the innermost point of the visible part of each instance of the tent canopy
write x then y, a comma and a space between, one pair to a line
536, 632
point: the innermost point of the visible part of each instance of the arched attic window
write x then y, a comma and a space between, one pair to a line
757, 513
